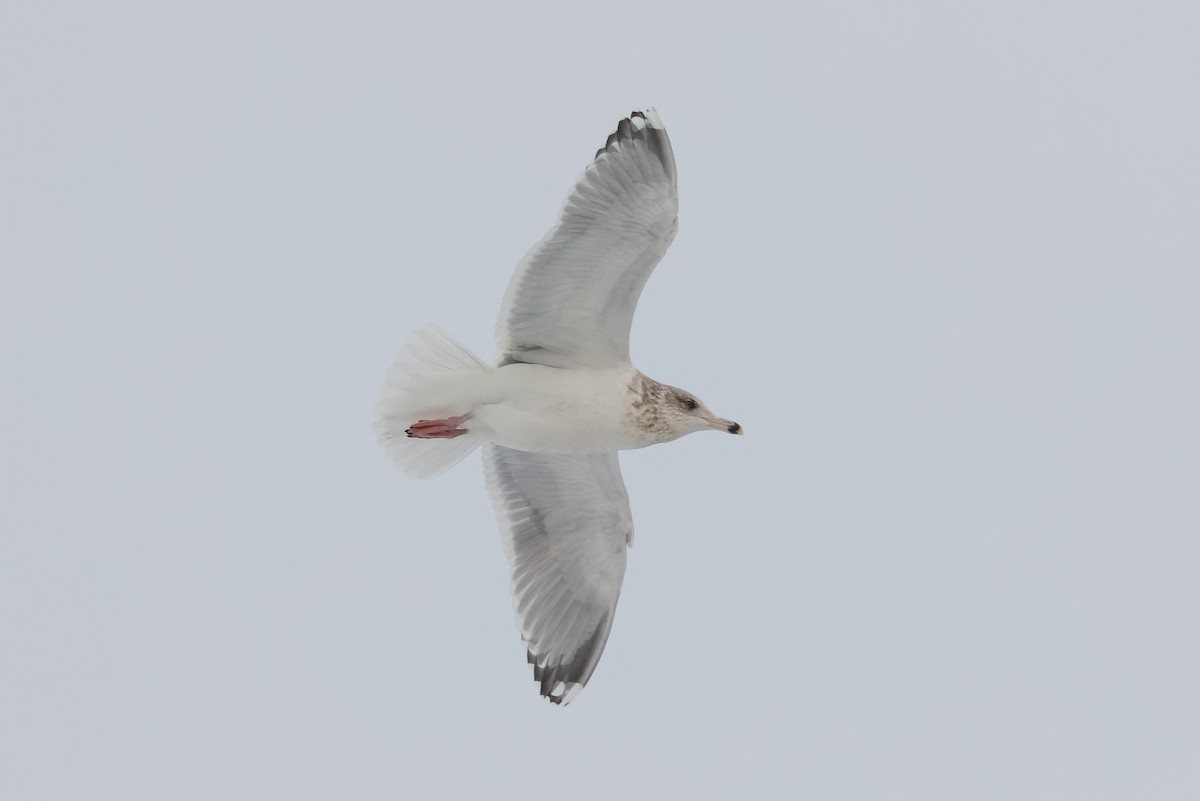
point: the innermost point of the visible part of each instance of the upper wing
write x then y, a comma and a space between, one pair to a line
566, 525
571, 300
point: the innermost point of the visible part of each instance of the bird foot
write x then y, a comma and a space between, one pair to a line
438, 429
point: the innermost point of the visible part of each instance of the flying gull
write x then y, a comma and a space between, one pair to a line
560, 401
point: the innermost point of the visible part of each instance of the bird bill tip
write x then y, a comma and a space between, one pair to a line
726, 425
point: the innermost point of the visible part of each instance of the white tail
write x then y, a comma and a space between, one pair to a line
433, 377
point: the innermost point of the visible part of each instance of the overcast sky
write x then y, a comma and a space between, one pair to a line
941, 260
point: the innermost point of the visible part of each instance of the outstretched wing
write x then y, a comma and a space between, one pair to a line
566, 526
571, 300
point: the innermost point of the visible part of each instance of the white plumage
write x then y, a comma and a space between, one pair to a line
560, 402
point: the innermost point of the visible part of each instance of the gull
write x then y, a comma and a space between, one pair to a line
558, 403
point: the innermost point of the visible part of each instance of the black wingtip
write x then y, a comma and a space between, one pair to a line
650, 129
561, 683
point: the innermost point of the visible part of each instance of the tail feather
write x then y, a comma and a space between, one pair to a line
431, 378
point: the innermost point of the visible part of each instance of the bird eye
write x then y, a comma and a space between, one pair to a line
688, 403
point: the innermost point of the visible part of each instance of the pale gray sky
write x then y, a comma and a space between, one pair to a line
941, 260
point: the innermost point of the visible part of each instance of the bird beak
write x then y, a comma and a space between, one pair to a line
724, 425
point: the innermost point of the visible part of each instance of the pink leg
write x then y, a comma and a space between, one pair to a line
438, 429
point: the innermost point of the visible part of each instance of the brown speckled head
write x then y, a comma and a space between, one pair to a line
665, 412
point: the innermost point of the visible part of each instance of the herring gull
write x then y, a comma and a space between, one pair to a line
560, 401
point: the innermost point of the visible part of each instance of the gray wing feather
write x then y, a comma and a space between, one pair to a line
566, 526
571, 300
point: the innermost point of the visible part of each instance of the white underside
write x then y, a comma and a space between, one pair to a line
530, 407
527, 407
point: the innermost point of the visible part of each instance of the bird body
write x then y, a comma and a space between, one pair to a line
558, 404
551, 410
531, 407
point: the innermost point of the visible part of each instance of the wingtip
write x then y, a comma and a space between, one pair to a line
650, 115
553, 682
564, 693
643, 125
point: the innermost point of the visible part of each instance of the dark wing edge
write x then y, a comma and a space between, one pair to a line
645, 125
